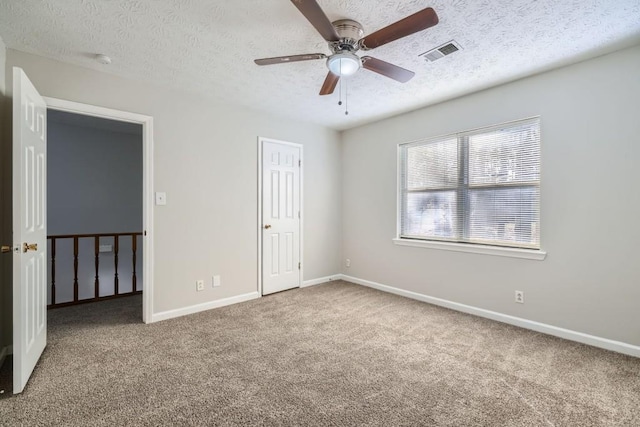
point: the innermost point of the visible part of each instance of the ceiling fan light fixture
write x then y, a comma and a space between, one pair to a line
344, 64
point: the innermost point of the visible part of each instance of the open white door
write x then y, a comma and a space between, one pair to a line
29, 228
281, 235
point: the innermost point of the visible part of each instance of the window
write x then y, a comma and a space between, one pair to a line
478, 187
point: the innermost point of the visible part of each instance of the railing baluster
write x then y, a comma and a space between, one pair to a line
75, 269
133, 277
76, 263
53, 271
115, 252
96, 291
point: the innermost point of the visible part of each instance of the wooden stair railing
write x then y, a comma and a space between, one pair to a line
76, 249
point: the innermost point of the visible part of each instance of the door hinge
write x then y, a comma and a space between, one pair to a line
299, 265
298, 214
299, 163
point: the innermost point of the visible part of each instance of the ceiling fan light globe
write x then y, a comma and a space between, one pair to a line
344, 64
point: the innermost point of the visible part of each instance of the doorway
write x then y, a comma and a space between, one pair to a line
112, 245
94, 209
280, 216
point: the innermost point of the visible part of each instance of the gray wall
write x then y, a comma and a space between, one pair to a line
206, 161
3, 60
94, 180
590, 203
94, 185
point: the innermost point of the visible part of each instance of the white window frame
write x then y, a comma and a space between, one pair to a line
505, 251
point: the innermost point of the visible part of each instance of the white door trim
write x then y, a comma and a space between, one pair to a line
147, 183
261, 141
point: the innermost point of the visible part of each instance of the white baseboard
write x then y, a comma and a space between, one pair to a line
605, 343
170, 314
320, 280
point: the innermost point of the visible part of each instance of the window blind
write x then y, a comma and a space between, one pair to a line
480, 186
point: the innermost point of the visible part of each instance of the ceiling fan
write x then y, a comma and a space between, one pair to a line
345, 39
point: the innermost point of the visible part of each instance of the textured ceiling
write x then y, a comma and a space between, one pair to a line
208, 46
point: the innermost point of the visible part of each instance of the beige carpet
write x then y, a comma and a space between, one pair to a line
334, 354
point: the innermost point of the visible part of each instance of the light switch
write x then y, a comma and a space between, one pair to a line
161, 198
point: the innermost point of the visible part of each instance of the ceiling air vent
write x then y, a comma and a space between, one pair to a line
441, 51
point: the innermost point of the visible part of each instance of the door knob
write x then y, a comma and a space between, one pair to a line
6, 249
29, 247
267, 226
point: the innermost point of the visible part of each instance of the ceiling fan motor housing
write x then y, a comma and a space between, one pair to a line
350, 33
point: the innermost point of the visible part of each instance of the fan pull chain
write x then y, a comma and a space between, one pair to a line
340, 89
346, 99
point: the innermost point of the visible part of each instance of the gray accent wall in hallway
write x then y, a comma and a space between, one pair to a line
94, 179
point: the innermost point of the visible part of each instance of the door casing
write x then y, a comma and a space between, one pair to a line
147, 183
261, 141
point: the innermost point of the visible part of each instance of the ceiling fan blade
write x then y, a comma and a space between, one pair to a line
314, 14
386, 69
419, 21
290, 58
329, 84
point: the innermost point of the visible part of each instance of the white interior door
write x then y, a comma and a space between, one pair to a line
281, 168
29, 228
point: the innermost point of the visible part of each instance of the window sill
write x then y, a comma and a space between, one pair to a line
534, 254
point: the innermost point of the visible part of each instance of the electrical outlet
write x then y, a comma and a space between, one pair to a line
216, 281
199, 285
347, 263
520, 297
